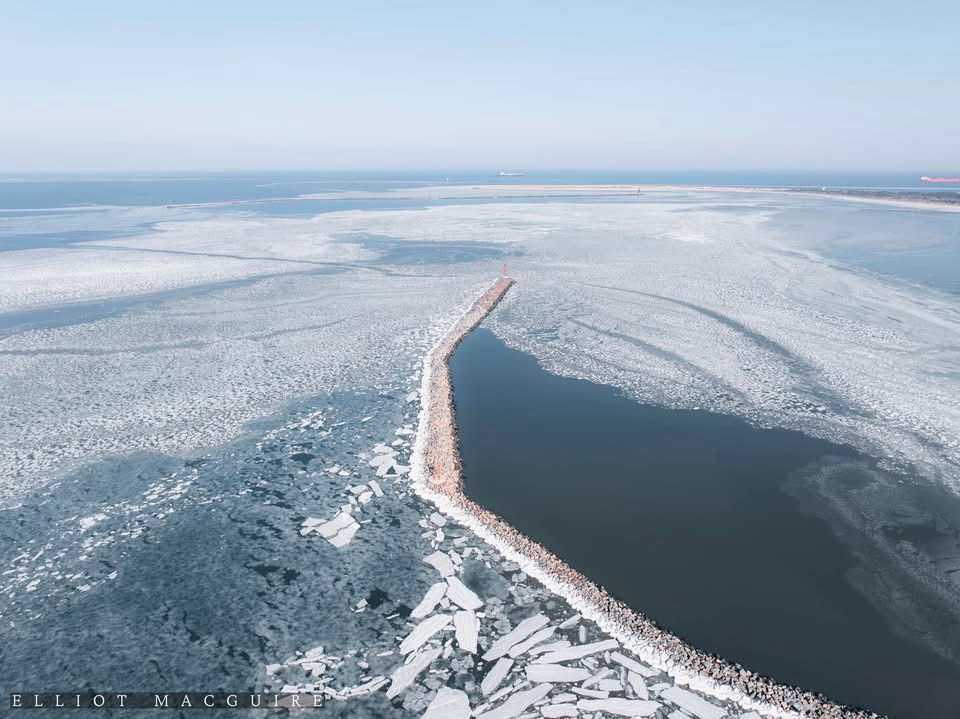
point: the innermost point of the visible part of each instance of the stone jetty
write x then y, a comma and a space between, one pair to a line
437, 476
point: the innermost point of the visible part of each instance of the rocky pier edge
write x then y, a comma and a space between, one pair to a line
437, 477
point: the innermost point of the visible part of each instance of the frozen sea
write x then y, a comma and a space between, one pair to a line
186, 383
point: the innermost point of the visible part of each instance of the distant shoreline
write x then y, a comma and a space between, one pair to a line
917, 199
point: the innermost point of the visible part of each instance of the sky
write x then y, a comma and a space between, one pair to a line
327, 85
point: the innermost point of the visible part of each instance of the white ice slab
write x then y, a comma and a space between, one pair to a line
345, 535
375, 487
597, 677
438, 519
461, 595
692, 704
448, 704
524, 646
620, 707
518, 703
577, 652
567, 623
638, 685
467, 630
555, 711
423, 631
441, 562
403, 677
632, 665
520, 632
556, 673
495, 676
551, 647
430, 600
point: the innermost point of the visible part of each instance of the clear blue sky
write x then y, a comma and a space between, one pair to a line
127, 85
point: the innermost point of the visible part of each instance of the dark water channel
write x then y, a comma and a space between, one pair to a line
685, 517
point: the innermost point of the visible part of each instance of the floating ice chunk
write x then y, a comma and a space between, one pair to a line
632, 665
556, 673
592, 693
430, 600
448, 704
563, 698
400, 469
87, 522
338, 531
567, 623
677, 714
382, 459
441, 562
518, 703
412, 397
577, 652
620, 707
495, 676
597, 677
541, 636
523, 630
367, 687
461, 595
610, 685
555, 711
375, 487
386, 469
467, 629
638, 685
438, 519
551, 647
384, 449
344, 536
423, 631
403, 677
330, 529
750, 715
692, 704
365, 497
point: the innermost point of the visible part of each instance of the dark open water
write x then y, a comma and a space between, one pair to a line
683, 515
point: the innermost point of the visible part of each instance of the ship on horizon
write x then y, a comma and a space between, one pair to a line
940, 179
509, 174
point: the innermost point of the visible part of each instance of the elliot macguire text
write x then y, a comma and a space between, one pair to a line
163, 700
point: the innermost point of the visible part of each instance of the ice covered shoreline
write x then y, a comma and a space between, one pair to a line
436, 476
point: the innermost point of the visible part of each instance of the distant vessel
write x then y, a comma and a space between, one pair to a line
509, 174
933, 179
